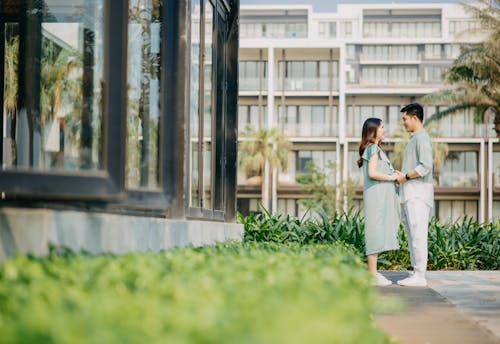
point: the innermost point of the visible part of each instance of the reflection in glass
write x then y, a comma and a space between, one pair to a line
11, 53
143, 104
207, 107
57, 122
194, 104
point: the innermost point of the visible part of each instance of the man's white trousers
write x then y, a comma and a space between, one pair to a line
416, 217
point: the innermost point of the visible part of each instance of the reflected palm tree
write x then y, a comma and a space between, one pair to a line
261, 150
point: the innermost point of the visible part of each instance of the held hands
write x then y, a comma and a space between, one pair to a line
397, 177
401, 177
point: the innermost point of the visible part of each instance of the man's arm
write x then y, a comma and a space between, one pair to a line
425, 161
424, 150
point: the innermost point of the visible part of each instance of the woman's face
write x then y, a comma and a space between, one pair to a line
380, 133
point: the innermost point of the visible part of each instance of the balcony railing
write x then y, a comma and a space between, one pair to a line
309, 84
389, 59
252, 84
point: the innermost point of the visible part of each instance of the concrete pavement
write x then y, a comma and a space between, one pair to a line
456, 307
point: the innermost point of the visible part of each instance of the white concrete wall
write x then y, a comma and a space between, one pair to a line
30, 231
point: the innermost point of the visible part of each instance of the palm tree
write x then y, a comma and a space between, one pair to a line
474, 77
260, 151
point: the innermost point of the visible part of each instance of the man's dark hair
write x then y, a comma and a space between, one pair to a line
414, 109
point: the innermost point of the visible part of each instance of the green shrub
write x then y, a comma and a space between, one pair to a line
228, 293
465, 244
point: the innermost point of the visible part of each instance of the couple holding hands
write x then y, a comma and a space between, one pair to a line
381, 204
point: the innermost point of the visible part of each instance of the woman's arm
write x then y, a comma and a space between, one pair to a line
374, 174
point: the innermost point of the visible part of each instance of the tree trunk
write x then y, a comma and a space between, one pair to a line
274, 191
265, 186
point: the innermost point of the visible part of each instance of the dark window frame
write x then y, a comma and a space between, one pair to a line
224, 102
102, 185
105, 189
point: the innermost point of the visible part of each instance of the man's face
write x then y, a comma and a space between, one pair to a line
409, 122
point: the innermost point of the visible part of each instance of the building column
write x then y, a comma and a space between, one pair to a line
342, 119
491, 172
270, 123
483, 180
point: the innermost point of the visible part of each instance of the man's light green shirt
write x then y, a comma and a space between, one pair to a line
418, 157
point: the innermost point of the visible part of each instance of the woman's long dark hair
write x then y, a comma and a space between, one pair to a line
368, 136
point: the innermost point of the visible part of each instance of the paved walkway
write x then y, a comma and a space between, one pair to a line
457, 307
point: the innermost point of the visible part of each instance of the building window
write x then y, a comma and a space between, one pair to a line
208, 112
55, 88
350, 51
251, 115
395, 29
356, 115
451, 51
346, 29
463, 27
249, 77
308, 75
327, 29
143, 101
390, 53
451, 211
389, 76
433, 51
434, 74
496, 169
460, 169
94, 104
299, 162
309, 120
460, 124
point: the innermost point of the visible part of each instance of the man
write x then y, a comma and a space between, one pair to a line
416, 192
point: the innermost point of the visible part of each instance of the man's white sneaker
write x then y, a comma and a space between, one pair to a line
413, 281
380, 281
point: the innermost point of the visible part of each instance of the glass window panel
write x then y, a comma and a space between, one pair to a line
194, 105
291, 120
303, 157
143, 103
496, 169
319, 125
393, 119
242, 118
67, 108
460, 169
208, 111
355, 173
304, 122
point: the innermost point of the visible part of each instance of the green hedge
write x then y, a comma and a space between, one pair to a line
229, 293
465, 244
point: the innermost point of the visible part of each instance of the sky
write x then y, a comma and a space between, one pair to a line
331, 5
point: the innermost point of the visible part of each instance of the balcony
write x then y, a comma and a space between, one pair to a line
395, 59
252, 84
308, 84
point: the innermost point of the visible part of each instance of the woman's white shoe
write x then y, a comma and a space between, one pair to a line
380, 281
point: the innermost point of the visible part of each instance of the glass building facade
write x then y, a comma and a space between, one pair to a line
96, 96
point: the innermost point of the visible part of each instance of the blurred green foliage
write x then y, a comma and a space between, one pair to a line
228, 293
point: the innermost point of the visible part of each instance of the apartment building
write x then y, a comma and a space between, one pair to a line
319, 75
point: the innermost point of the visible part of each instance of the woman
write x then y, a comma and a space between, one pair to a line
380, 201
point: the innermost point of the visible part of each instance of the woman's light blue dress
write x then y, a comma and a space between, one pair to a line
381, 205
